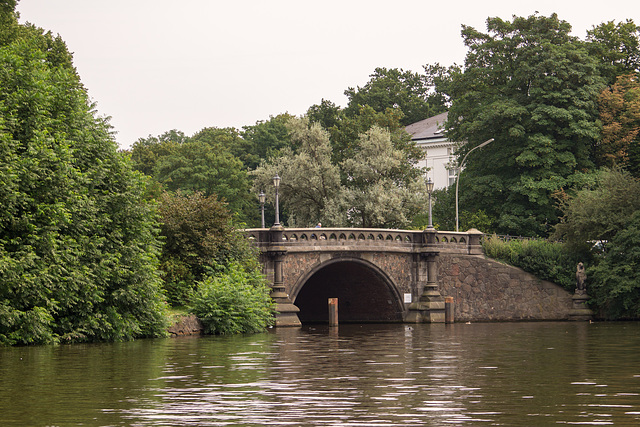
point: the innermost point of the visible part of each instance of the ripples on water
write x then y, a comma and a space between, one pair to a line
513, 374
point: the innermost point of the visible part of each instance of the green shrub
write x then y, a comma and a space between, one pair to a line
200, 240
544, 259
178, 281
233, 301
615, 281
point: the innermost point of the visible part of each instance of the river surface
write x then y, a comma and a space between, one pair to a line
481, 374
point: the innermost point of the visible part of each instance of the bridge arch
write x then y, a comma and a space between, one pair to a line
365, 292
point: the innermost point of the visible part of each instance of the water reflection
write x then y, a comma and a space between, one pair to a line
516, 374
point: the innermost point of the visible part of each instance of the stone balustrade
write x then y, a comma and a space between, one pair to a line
370, 239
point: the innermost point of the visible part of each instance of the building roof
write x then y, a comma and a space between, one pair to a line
430, 128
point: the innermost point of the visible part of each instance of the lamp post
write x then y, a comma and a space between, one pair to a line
429, 184
262, 198
276, 184
460, 169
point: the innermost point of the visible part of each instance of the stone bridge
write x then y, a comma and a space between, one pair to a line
382, 275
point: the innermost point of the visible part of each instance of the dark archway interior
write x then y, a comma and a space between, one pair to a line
363, 296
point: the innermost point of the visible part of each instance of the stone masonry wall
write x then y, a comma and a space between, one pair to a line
483, 289
486, 290
399, 267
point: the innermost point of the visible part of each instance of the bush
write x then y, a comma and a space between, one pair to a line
200, 236
546, 260
234, 301
615, 281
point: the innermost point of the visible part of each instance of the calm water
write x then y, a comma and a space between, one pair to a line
510, 374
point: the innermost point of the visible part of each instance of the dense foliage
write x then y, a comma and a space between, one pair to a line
78, 247
620, 116
235, 300
602, 219
598, 211
533, 87
615, 281
409, 92
551, 261
199, 240
378, 186
204, 162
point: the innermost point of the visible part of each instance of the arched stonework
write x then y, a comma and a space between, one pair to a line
365, 293
483, 289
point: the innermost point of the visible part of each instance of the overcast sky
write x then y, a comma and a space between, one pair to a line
156, 65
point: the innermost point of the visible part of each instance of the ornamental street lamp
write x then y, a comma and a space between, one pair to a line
276, 184
460, 169
429, 185
262, 198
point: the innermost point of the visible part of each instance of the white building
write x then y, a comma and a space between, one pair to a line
439, 152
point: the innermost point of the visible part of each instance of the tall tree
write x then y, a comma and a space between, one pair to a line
200, 166
395, 88
533, 87
264, 139
620, 115
379, 192
617, 47
145, 152
78, 247
380, 187
310, 182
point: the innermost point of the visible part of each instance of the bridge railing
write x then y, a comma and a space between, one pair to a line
445, 241
333, 236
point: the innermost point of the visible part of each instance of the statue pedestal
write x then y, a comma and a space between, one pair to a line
580, 309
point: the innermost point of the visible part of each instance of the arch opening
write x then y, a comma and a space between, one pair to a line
364, 295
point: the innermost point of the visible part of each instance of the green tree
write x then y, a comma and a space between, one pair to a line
200, 238
199, 166
615, 280
310, 182
264, 139
204, 162
533, 87
598, 212
395, 88
8, 22
345, 129
146, 152
78, 246
617, 47
327, 114
381, 188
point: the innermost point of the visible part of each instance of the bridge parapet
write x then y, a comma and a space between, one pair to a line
369, 238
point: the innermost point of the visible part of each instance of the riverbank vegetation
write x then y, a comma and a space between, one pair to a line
78, 242
547, 260
95, 244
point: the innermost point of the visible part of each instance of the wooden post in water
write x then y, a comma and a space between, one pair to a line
333, 311
448, 310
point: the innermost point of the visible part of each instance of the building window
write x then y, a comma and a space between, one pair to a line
453, 173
